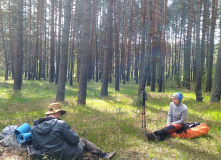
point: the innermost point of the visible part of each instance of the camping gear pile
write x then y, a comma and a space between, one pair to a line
18, 138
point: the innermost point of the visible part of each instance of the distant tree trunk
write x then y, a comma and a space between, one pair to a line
137, 50
211, 50
84, 66
40, 73
186, 78
147, 57
216, 90
72, 57
30, 60
64, 57
11, 52
93, 41
162, 55
52, 45
143, 31
155, 49
129, 43
37, 46
4, 45
45, 43
204, 31
124, 38
107, 58
117, 35
175, 50
19, 49
59, 42
199, 69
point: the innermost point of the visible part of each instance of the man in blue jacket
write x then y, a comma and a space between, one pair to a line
54, 136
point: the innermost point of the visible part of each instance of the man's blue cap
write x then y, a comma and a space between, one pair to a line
178, 96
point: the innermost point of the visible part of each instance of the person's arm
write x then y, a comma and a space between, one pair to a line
69, 135
169, 118
183, 117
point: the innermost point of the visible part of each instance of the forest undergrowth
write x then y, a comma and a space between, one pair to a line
115, 122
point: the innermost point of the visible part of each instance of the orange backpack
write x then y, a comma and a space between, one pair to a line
194, 132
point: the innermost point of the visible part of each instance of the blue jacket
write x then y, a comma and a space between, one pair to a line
56, 137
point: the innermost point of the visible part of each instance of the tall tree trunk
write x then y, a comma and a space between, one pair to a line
84, 66
52, 45
59, 41
107, 58
64, 57
211, 50
117, 35
216, 90
147, 57
199, 69
143, 22
19, 49
4, 45
186, 78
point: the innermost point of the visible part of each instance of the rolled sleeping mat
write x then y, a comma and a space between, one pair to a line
24, 137
24, 128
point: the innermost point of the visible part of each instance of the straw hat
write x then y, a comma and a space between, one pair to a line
54, 108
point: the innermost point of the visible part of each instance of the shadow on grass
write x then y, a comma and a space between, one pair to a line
195, 149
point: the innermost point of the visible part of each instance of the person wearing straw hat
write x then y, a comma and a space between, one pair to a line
54, 136
177, 118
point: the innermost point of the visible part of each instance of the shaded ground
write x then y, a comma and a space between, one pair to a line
7, 153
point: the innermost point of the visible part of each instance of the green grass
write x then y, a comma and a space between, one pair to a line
114, 122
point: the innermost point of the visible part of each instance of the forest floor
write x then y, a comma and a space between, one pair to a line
115, 122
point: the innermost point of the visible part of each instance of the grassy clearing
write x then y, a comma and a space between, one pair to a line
114, 122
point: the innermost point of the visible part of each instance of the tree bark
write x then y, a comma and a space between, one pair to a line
4, 45
186, 78
52, 45
72, 56
107, 58
142, 54
84, 66
129, 43
199, 69
216, 90
117, 35
204, 31
59, 41
19, 49
155, 49
148, 54
163, 52
211, 50
64, 57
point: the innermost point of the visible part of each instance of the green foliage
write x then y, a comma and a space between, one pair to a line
114, 122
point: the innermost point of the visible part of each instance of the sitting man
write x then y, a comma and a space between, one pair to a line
55, 137
177, 118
